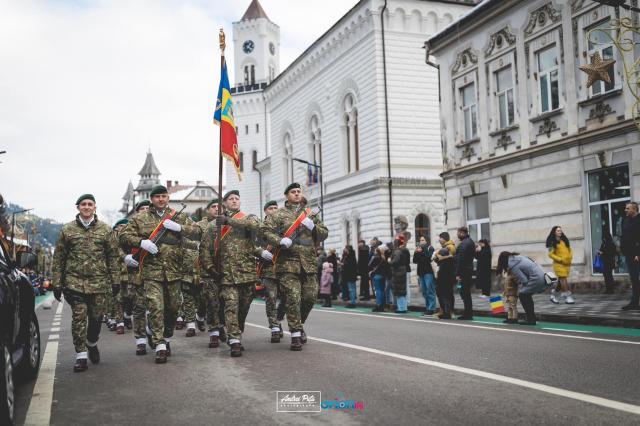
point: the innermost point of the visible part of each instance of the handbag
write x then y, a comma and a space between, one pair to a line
597, 264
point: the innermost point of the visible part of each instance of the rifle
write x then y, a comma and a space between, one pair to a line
293, 237
160, 231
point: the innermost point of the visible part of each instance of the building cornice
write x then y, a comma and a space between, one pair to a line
575, 140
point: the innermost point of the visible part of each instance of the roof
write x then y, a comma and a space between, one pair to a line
177, 188
149, 167
182, 193
129, 193
463, 22
254, 11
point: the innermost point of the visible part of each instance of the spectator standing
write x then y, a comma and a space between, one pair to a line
333, 259
630, 247
483, 276
422, 257
562, 255
363, 270
445, 281
380, 273
349, 274
530, 277
388, 288
608, 253
465, 253
325, 284
399, 273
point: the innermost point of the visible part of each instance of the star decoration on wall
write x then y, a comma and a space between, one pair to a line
597, 70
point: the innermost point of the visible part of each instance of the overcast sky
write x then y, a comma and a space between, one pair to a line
88, 86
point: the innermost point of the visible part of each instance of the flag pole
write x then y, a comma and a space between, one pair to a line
221, 39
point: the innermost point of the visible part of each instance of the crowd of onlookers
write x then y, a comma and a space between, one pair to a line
384, 272
39, 282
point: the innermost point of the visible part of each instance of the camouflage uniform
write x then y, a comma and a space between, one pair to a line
238, 253
297, 266
85, 265
191, 288
162, 272
271, 290
209, 284
123, 301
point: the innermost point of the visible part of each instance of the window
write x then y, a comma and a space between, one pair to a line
241, 158
253, 74
288, 159
257, 128
315, 150
609, 193
469, 112
477, 209
600, 42
347, 231
504, 94
423, 227
246, 129
350, 120
246, 75
272, 74
548, 79
254, 158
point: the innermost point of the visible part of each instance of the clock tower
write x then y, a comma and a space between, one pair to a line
256, 42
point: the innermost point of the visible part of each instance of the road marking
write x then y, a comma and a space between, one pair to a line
54, 329
55, 323
566, 329
608, 403
484, 327
54, 336
39, 412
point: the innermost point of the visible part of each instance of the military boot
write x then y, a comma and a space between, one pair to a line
168, 349
281, 332
296, 344
94, 354
201, 325
236, 350
179, 323
120, 329
275, 337
141, 349
303, 337
214, 341
80, 365
191, 332
161, 357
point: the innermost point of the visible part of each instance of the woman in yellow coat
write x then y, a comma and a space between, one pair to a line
562, 255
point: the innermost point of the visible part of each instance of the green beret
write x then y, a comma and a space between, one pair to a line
269, 204
230, 193
158, 189
85, 197
212, 202
121, 222
142, 204
290, 187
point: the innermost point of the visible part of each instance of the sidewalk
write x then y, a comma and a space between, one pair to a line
589, 309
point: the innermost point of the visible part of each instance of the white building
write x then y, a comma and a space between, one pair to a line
527, 145
355, 99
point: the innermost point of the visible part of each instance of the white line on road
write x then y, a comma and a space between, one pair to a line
455, 324
39, 412
565, 329
54, 336
609, 403
54, 329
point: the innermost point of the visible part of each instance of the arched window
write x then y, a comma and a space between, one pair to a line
315, 149
347, 232
423, 227
246, 75
288, 159
350, 121
253, 75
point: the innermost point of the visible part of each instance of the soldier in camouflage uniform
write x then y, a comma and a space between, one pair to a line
162, 268
85, 267
191, 285
121, 299
209, 282
296, 263
270, 281
238, 251
136, 290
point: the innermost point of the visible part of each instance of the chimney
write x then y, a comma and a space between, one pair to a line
168, 184
199, 182
175, 182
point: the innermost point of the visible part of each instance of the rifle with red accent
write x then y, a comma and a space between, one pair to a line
156, 236
294, 231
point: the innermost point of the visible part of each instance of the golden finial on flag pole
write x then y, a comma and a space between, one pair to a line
222, 41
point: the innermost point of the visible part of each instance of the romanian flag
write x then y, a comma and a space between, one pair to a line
223, 117
497, 306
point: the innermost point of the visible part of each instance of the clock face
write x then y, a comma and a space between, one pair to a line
272, 48
248, 46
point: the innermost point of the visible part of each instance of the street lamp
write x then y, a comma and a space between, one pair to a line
319, 168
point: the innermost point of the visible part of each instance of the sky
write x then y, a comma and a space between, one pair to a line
87, 87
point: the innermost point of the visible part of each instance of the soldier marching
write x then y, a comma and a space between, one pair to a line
159, 259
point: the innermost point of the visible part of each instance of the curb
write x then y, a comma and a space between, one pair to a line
573, 319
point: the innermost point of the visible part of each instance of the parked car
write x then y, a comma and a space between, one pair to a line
19, 330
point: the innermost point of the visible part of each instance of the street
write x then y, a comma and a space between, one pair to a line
397, 370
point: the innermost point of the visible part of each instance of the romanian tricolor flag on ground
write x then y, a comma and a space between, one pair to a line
497, 306
223, 117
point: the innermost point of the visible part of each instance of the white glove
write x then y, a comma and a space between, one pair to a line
286, 242
130, 261
266, 255
171, 225
308, 223
149, 246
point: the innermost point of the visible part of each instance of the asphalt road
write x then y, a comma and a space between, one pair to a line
399, 370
